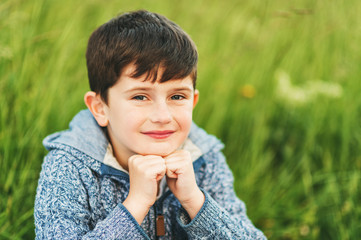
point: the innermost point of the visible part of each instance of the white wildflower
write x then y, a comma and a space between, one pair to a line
296, 95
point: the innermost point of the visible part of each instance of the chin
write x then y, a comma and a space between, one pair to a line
161, 153
159, 149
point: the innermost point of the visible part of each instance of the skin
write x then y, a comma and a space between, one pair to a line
146, 123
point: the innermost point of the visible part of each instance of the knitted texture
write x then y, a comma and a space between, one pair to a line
79, 197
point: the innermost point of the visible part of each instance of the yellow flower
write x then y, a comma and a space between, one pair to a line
247, 91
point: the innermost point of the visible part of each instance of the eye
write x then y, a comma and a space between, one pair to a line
177, 97
140, 98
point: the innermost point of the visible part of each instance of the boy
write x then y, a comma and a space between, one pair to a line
134, 166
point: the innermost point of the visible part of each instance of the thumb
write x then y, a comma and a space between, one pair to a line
161, 174
171, 174
171, 182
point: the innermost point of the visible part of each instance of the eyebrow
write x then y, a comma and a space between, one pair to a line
188, 89
138, 89
183, 89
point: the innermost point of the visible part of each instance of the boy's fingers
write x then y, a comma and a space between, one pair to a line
149, 166
172, 173
157, 171
159, 177
161, 174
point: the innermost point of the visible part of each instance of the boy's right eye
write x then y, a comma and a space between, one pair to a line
139, 98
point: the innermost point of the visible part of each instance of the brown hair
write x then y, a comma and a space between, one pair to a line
148, 40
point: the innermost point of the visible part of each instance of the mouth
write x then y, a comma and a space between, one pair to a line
159, 134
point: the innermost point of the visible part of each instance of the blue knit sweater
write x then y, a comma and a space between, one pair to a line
80, 197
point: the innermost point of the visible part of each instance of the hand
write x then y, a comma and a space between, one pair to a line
144, 172
182, 182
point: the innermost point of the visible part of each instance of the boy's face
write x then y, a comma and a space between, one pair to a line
149, 118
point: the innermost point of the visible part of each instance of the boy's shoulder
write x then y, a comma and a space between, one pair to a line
204, 141
83, 134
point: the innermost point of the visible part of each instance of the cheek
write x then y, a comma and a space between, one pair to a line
126, 119
133, 119
184, 118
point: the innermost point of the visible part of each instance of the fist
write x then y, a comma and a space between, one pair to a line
144, 174
180, 176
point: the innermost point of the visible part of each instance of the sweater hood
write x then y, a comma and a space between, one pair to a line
85, 135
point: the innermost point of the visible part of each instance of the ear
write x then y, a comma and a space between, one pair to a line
97, 107
195, 98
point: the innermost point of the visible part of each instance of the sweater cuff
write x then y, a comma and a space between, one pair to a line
119, 224
204, 222
137, 227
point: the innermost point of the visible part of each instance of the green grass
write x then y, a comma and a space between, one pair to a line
295, 153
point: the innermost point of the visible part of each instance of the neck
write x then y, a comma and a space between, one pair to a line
121, 155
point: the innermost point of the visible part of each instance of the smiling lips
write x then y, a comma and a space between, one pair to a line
159, 134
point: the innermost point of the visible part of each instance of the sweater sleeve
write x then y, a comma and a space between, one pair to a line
223, 214
62, 209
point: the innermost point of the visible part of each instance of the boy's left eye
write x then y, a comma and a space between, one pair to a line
177, 97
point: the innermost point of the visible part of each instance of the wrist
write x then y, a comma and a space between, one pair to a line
194, 204
137, 209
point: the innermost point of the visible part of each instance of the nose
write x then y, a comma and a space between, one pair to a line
160, 113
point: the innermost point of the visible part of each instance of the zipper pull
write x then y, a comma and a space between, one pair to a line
160, 225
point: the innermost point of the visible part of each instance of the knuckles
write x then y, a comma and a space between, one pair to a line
148, 165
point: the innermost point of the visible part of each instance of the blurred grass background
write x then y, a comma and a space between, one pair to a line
279, 83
